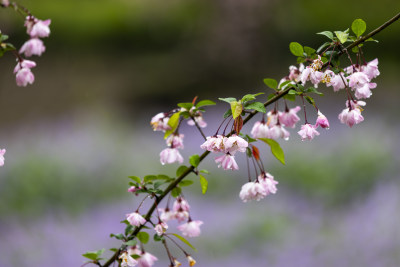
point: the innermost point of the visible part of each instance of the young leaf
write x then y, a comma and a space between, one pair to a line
237, 108
149, 178
194, 160
290, 97
117, 236
319, 50
136, 179
176, 192
256, 106
203, 183
296, 49
250, 97
227, 113
256, 153
185, 183
173, 122
131, 243
143, 237
310, 100
185, 241
205, 171
327, 34
205, 103
90, 255
314, 90
180, 170
128, 230
285, 84
228, 99
271, 83
358, 27
309, 51
186, 106
342, 36
275, 149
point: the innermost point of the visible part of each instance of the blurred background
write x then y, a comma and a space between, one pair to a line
82, 128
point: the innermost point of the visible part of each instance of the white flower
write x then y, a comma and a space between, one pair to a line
135, 219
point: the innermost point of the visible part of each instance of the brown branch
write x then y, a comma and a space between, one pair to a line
250, 116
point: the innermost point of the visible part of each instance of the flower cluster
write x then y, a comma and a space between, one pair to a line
143, 258
263, 186
228, 146
34, 46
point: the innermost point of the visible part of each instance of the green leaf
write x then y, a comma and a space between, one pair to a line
237, 108
314, 90
143, 237
275, 149
94, 255
271, 83
149, 178
285, 84
205, 103
203, 183
128, 230
309, 51
322, 47
163, 177
292, 92
227, 113
342, 36
205, 171
296, 49
310, 100
176, 192
173, 122
328, 34
185, 241
136, 179
228, 99
185, 183
181, 169
358, 27
158, 238
3, 37
250, 97
372, 40
131, 243
290, 97
186, 106
117, 236
256, 106
194, 160
158, 184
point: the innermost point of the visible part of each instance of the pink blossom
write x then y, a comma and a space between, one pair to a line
160, 122
308, 132
181, 204
235, 143
175, 141
294, 72
268, 182
272, 118
33, 46
252, 191
214, 143
322, 121
337, 83
24, 77
181, 215
166, 214
146, 260
358, 79
260, 130
2, 152
278, 131
40, 28
289, 118
5, 3
317, 63
161, 228
199, 120
135, 219
127, 260
313, 75
364, 91
351, 117
170, 155
133, 189
227, 162
24, 64
191, 228
371, 69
